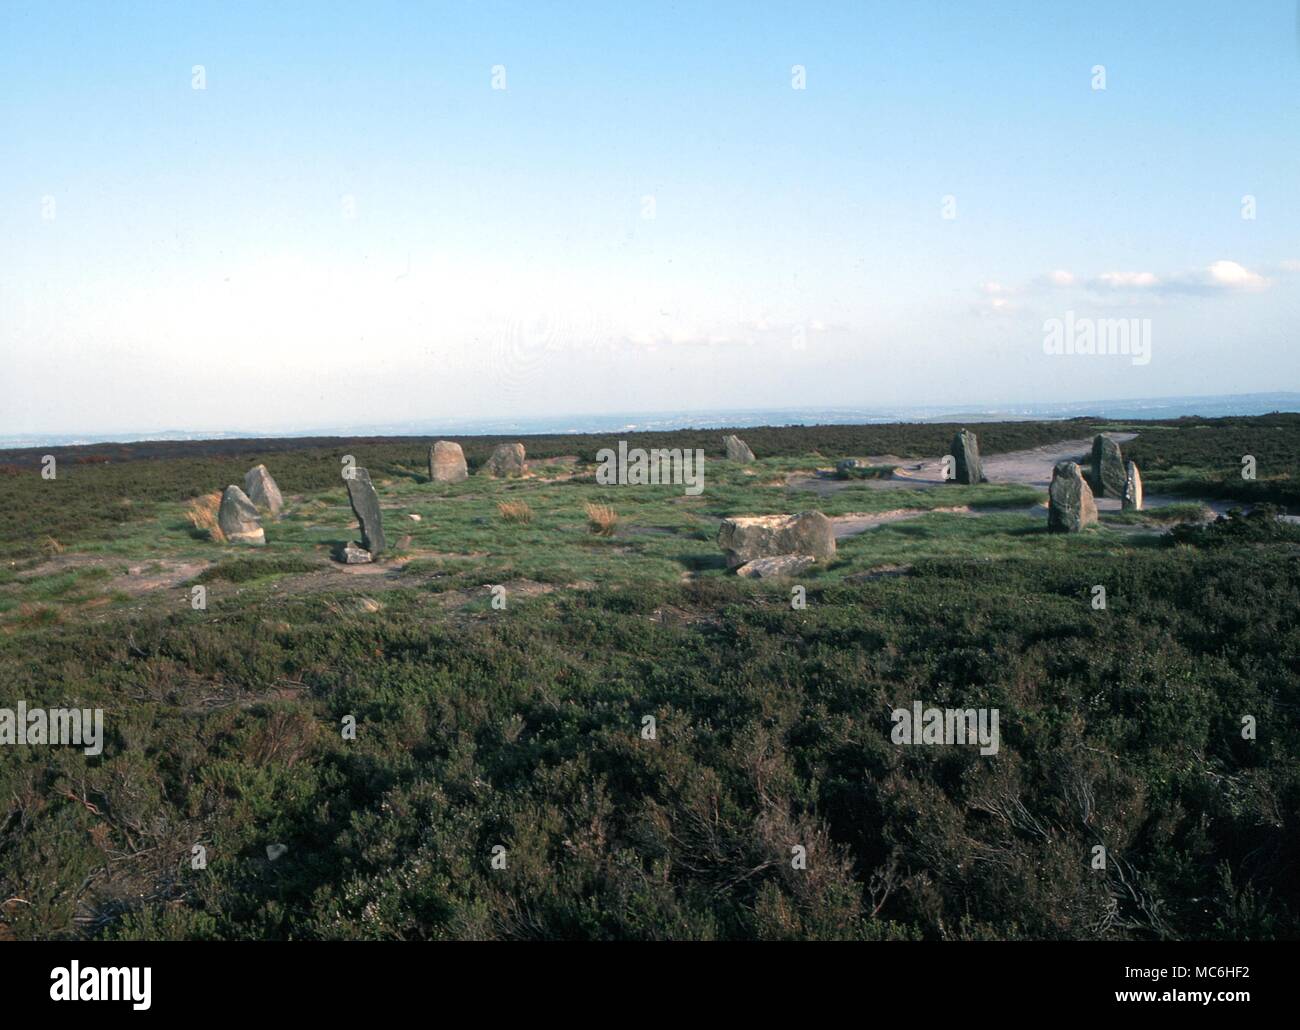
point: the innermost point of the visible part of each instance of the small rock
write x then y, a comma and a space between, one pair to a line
781, 565
413, 517
274, 851
238, 519
355, 554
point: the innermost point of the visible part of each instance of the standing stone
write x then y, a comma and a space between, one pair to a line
737, 449
769, 536
506, 460
966, 455
365, 506
1133, 488
1070, 505
447, 463
238, 519
262, 489
1107, 467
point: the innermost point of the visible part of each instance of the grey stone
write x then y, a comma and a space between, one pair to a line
506, 460
365, 506
781, 565
1132, 488
1070, 507
966, 454
238, 519
1108, 475
769, 536
262, 489
447, 463
352, 554
737, 449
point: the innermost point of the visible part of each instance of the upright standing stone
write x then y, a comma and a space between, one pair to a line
238, 519
1070, 506
1107, 467
262, 489
365, 506
506, 460
737, 449
447, 463
1133, 488
966, 455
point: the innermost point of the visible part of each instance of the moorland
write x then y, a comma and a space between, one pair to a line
520, 726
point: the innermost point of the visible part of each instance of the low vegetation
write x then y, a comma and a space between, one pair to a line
648, 737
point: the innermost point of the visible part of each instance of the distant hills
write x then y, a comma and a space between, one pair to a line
1207, 406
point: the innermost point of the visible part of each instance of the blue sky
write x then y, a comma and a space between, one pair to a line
350, 224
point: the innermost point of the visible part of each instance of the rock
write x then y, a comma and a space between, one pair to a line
261, 489
966, 454
848, 466
353, 554
413, 517
447, 462
365, 506
771, 536
506, 460
1070, 506
1133, 488
238, 519
1108, 476
782, 565
737, 449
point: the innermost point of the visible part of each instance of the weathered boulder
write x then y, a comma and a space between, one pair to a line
352, 554
447, 463
966, 458
1132, 488
506, 460
1070, 506
262, 489
238, 519
769, 536
1107, 467
737, 449
365, 506
781, 565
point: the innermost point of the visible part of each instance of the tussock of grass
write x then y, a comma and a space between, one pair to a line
202, 515
516, 512
601, 519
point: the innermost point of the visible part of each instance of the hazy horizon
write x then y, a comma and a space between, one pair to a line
233, 215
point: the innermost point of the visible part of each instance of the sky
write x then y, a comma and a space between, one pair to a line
246, 216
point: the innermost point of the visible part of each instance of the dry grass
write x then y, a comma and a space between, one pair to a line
51, 547
202, 514
601, 519
517, 512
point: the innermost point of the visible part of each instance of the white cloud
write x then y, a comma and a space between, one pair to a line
1231, 276
1126, 280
